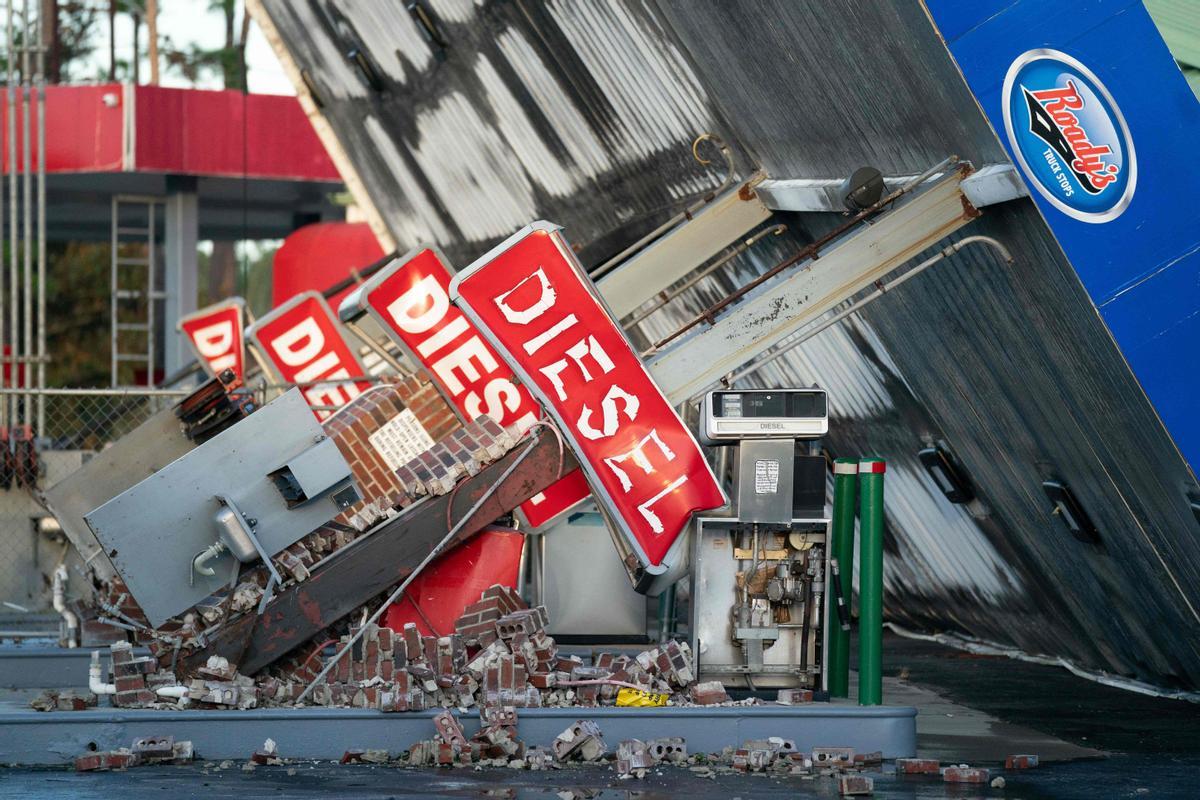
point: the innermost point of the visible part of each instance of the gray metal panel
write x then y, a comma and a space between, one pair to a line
154, 530
764, 480
139, 454
318, 468
584, 586
46, 667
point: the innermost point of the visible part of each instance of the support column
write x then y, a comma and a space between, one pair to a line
845, 479
181, 234
870, 582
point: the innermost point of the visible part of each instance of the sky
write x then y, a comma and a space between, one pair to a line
187, 22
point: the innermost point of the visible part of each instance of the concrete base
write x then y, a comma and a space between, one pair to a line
57, 737
40, 666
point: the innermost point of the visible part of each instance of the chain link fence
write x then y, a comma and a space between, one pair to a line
44, 437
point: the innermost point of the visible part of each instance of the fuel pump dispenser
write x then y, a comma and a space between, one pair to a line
759, 577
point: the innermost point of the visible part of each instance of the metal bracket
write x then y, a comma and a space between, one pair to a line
248, 530
770, 633
992, 183
778, 309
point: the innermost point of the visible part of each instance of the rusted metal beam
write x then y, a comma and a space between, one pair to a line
378, 561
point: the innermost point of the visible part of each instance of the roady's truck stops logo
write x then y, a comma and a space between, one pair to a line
1069, 136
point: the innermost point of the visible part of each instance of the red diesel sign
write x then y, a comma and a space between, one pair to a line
304, 343
534, 301
411, 301
215, 334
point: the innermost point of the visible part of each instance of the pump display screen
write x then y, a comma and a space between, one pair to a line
728, 416
755, 405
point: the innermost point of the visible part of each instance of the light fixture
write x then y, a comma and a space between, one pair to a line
947, 474
1068, 509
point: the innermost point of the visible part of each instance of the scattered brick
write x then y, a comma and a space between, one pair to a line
832, 756
918, 766
633, 758
794, 697
154, 749
267, 754
671, 749
62, 700
709, 693
580, 742
1021, 762
105, 760
855, 785
966, 775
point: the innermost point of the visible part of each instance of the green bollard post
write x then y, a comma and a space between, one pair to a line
870, 582
841, 548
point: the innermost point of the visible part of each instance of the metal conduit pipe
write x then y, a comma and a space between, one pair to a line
14, 310
60, 605
26, 349
201, 559
39, 81
880, 290
97, 687
95, 684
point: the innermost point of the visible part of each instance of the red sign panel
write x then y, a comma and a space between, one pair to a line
215, 334
411, 301
304, 343
535, 302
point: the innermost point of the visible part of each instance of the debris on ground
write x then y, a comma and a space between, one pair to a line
794, 697
63, 700
918, 766
833, 756
580, 742
1021, 762
669, 749
633, 758
147, 750
964, 774
709, 693
499, 656
267, 754
162, 750
855, 785
105, 760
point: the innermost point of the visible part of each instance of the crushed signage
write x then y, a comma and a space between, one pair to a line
410, 299
215, 334
535, 303
304, 344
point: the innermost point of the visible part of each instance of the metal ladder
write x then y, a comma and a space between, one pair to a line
145, 291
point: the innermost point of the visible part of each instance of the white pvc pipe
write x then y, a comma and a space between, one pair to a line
94, 683
60, 605
176, 692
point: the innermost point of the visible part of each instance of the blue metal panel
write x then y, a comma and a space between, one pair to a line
1064, 81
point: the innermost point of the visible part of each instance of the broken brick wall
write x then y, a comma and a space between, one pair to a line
382, 408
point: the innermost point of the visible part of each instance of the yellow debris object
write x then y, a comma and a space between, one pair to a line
636, 698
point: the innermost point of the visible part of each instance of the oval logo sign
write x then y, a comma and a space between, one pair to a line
1067, 132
